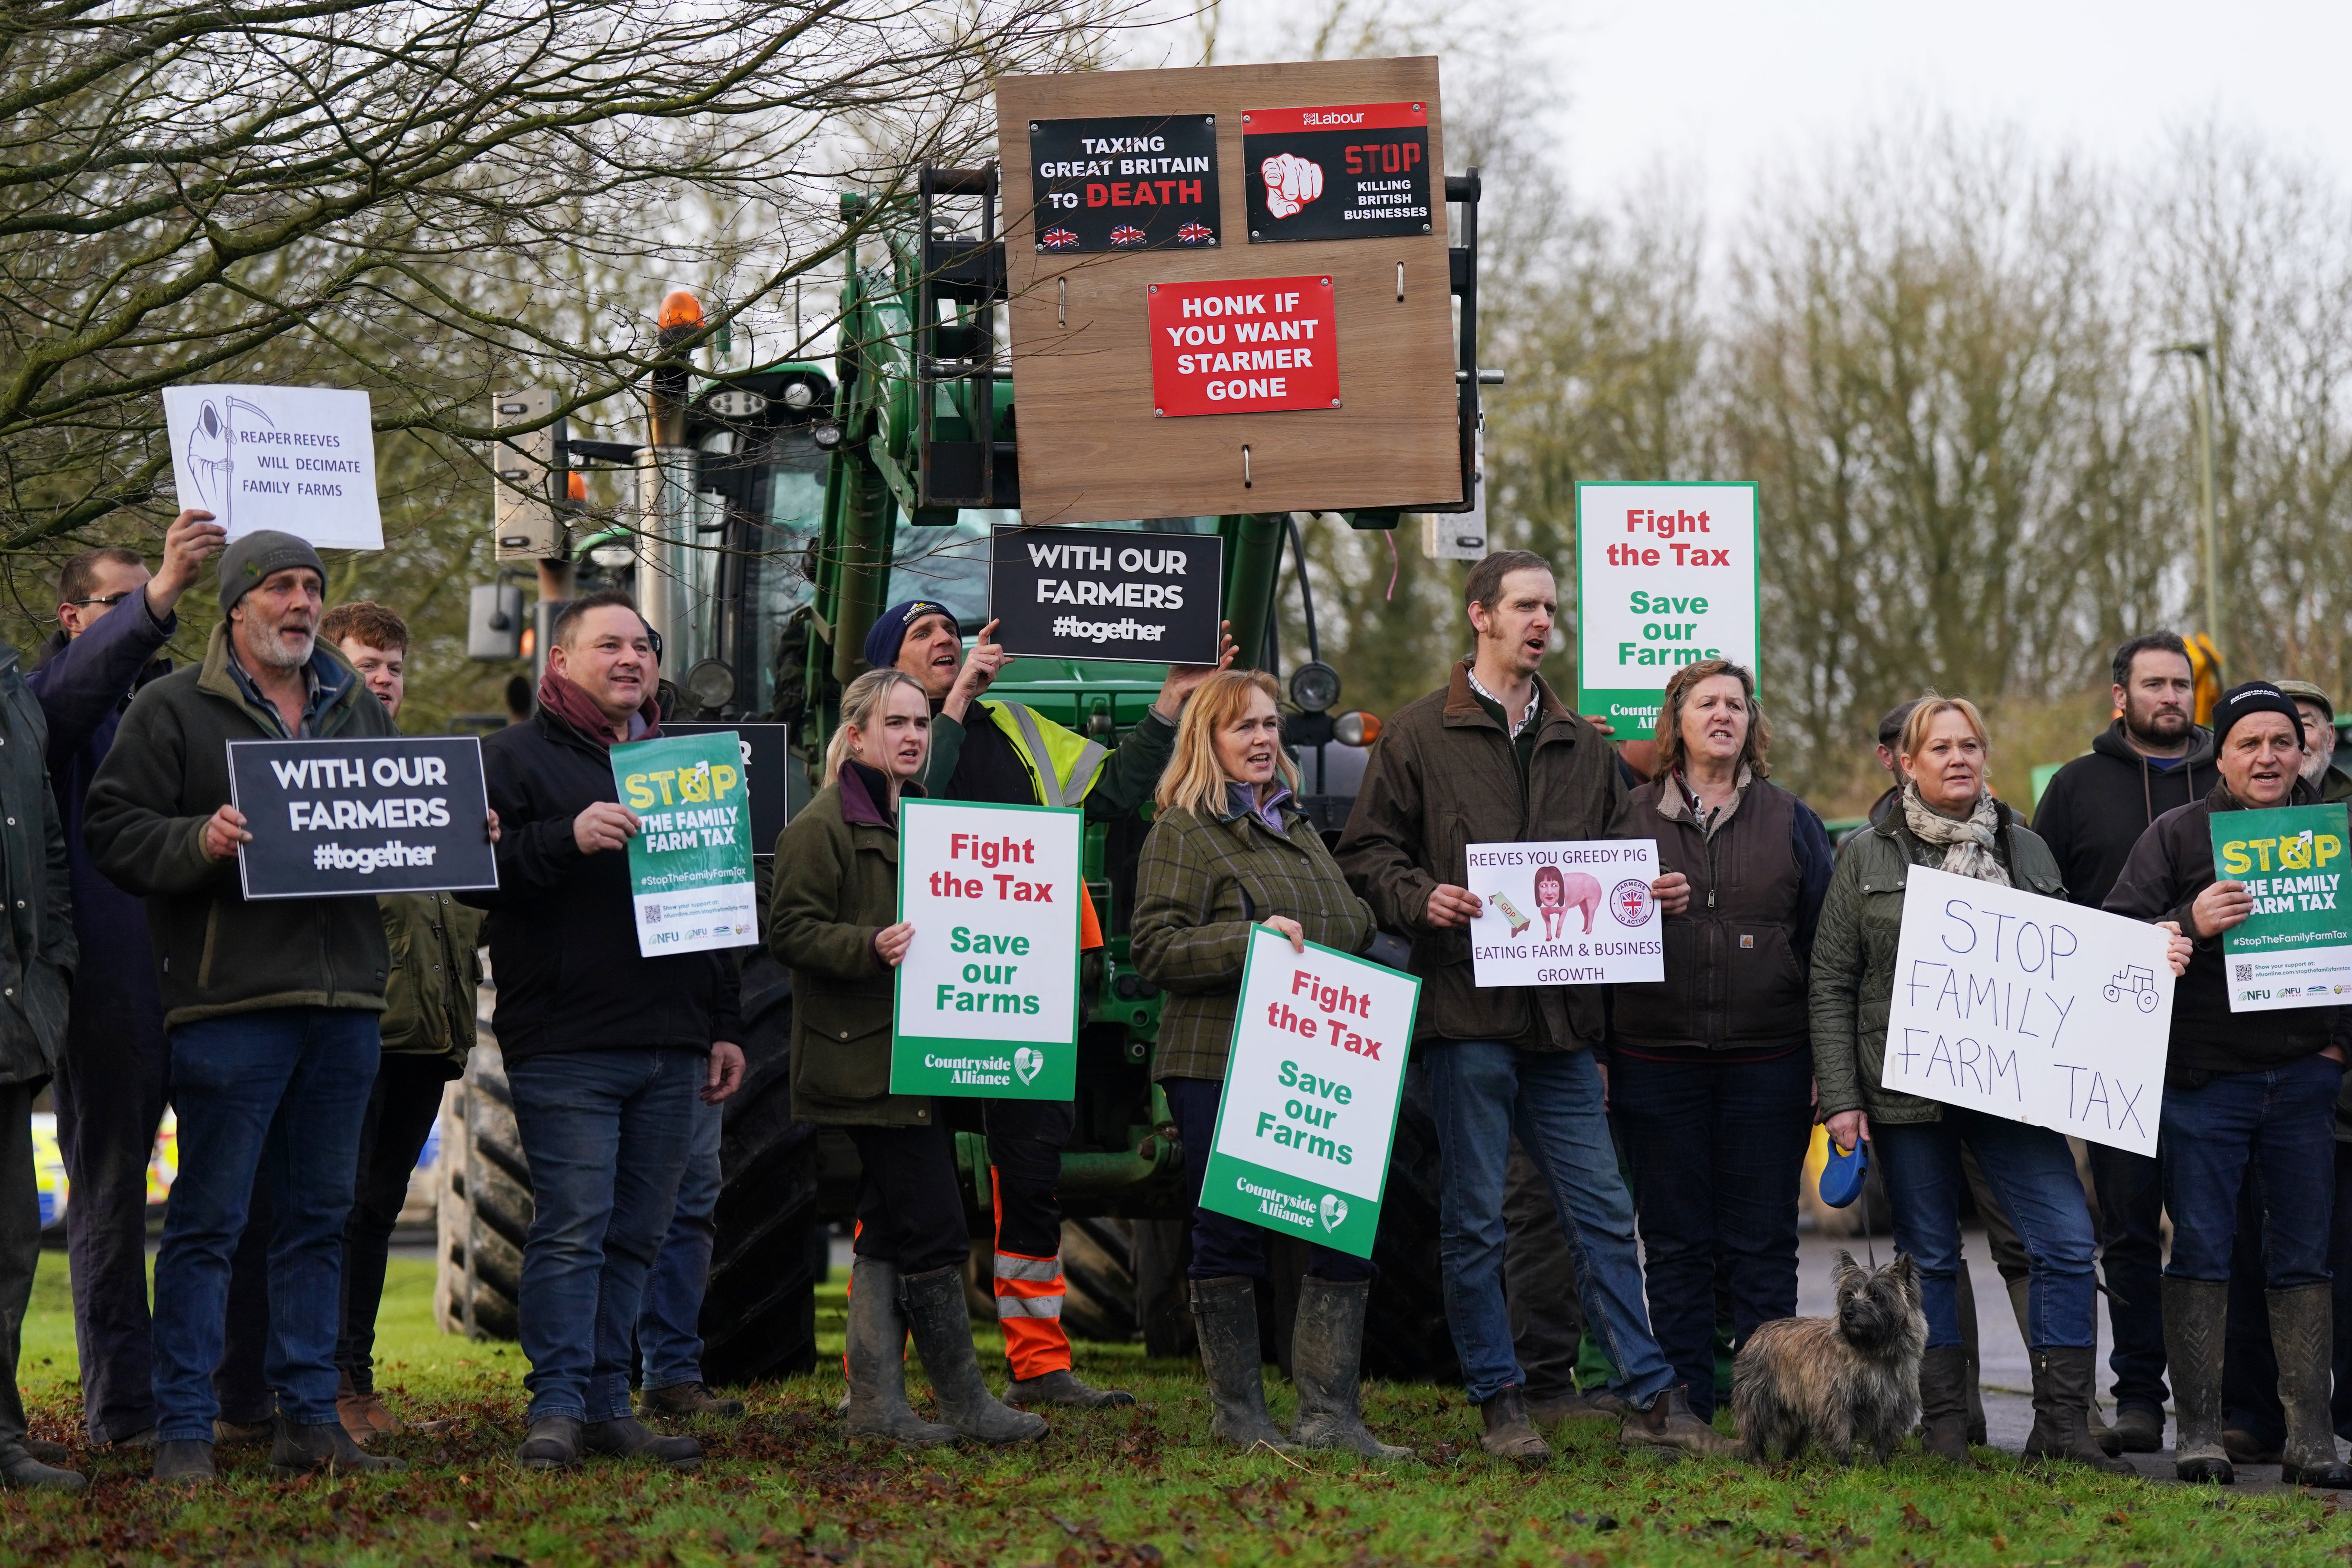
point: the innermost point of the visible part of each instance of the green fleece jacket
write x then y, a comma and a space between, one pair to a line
219, 953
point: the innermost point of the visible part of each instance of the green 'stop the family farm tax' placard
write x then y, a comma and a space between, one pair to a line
2295, 949
1311, 1092
988, 993
1665, 576
690, 862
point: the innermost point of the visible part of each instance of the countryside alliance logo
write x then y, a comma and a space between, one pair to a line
1028, 1061
1335, 1211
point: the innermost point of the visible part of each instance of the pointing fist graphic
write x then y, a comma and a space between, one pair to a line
1290, 184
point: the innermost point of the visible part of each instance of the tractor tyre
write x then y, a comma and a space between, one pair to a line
485, 1208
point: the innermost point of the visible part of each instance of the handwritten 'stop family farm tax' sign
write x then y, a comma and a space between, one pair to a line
2030, 1008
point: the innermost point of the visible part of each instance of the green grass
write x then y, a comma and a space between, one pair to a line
1119, 1487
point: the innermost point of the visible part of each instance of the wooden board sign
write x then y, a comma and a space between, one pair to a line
1101, 210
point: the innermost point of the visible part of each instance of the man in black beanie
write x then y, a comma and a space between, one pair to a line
270, 1005
2244, 1099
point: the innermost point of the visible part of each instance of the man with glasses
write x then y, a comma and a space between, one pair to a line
111, 1084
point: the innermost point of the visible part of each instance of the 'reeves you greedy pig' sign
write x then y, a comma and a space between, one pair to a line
1312, 1085
1573, 912
2031, 1008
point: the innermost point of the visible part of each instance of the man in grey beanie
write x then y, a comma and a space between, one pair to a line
270, 1005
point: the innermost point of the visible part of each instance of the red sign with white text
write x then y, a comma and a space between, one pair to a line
1251, 345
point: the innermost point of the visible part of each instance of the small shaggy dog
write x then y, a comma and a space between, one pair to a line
1838, 1382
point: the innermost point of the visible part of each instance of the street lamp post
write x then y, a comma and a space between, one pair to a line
2203, 405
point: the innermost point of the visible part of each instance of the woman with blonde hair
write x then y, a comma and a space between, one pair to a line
1230, 850
833, 922
1945, 817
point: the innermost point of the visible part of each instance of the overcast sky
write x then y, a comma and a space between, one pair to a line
1714, 89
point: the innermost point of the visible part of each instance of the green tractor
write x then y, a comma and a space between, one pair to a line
778, 510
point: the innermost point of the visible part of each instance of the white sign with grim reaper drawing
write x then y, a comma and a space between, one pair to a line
299, 459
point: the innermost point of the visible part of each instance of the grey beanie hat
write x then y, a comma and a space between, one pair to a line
253, 556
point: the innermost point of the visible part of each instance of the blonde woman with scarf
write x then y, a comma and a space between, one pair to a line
1945, 818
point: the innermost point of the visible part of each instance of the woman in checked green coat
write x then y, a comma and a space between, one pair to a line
1230, 850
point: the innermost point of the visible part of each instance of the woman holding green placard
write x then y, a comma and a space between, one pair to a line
833, 919
1232, 850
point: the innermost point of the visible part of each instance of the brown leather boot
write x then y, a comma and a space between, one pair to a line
1669, 1423
363, 1415
1509, 1433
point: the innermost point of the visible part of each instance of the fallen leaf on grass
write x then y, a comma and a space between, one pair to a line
1914, 1519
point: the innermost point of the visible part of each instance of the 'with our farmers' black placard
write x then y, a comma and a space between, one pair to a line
1349, 170
1130, 182
1082, 593
335, 817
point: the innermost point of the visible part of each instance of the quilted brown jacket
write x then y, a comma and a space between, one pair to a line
1199, 888
1443, 777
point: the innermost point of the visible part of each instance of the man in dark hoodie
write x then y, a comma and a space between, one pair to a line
2246, 1100
605, 1049
2153, 757
114, 1076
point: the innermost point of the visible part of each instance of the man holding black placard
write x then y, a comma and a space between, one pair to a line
1013, 755
272, 1005
607, 1051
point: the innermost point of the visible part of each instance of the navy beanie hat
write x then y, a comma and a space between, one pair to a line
889, 633
2245, 702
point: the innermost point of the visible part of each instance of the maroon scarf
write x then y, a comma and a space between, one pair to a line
562, 698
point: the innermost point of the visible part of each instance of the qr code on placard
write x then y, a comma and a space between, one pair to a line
2245, 972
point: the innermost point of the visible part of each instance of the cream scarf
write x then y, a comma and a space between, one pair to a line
1968, 844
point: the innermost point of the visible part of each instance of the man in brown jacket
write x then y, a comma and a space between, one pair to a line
1495, 757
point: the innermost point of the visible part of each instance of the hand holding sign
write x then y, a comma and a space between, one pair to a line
605, 824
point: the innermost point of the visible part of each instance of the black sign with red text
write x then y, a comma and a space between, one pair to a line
1349, 171
1130, 182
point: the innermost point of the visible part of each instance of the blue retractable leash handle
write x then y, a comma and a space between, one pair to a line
1842, 1180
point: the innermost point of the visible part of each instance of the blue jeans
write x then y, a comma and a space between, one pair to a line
669, 1325
286, 1087
1483, 1091
606, 1134
1717, 1151
2275, 1129
1223, 1246
2033, 1173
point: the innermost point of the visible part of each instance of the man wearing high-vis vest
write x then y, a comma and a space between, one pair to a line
1012, 755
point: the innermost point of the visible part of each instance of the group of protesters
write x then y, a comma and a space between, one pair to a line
1621, 1165
1618, 1166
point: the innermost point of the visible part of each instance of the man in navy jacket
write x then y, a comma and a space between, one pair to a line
111, 1085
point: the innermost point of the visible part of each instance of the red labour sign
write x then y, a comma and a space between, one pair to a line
1250, 345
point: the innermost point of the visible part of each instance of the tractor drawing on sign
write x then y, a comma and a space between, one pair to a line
2134, 981
778, 511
